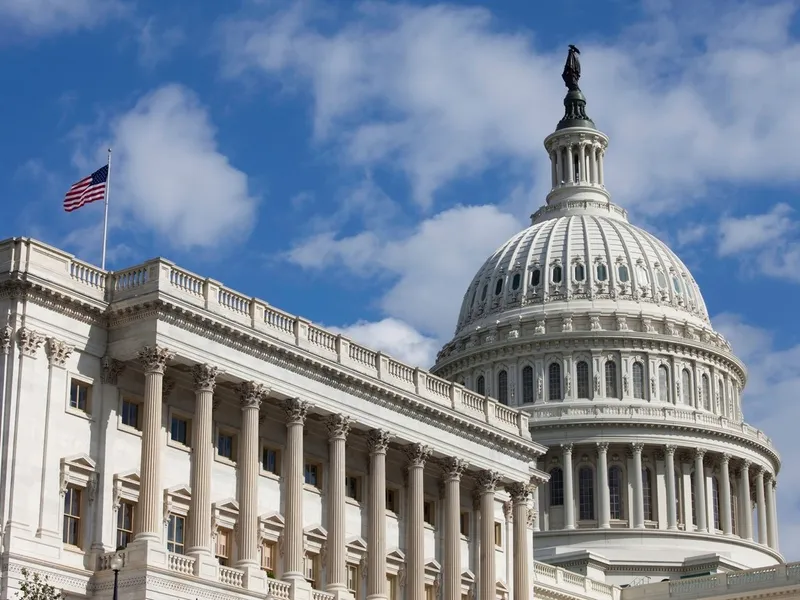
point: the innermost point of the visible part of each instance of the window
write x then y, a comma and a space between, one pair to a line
391, 586
352, 487
661, 279
430, 592
638, 380
502, 387
554, 381
641, 273
225, 445
498, 287
429, 513
175, 534
615, 491
556, 487
72, 516
223, 552
721, 387
463, 524
715, 502
647, 494
706, 392
498, 534
179, 430
623, 273
130, 413
516, 281
313, 475
392, 503
676, 283
268, 558
353, 579
734, 510
484, 292
602, 272
582, 373
536, 277
611, 379
480, 385
663, 384
80, 395
527, 385
311, 569
270, 460
586, 494
679, 497
580, 272
125, 514
686, 386
556, 274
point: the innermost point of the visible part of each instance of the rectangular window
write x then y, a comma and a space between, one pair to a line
429, 513
130, 413
72, 516
268, 560
498, 535
179, 430
391, 586
313, 475
226, 445
223, 552
430, 593
353, 579
352, 487
311, 569
175, 534
392, 501
270, 460
125, 515
464, 524
80, 394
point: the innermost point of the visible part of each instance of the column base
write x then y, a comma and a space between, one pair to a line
206, 565
146, 551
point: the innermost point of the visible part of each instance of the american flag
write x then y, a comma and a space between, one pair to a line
87, 190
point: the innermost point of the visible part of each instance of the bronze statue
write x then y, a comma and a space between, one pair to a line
572, 69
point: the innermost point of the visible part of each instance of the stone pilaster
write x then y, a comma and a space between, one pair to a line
378, 443
672, 505
746, 512
638, 491
296, 412
486, 484
519, 509
725, 495
338, 428
602, 483
701, 511
761, 507
452, 469
569, 488
417, 455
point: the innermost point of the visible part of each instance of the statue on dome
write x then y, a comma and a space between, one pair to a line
572, 69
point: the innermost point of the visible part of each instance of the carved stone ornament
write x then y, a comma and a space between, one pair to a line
540, 328
338, 426
595, 324
154, 359
401, 575
205, 377
112, 368
566, 324
378, 441
91, 487
602, 448
167, 386
251, 394
626, 384
531, 518
622, 324
486, 481
29, 342
637, 447
519, 492
653, 384
508, 511
453, 468
597, 383
568, 384
57, 352
296, 411
5, 338
417, 454
540, 387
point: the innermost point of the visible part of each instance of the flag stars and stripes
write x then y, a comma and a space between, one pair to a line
89, 189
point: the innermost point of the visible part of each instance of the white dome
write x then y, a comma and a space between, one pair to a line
588, 255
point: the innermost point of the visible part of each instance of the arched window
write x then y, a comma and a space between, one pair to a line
480, 385
615, 491
706, 392
556, 274
663, 384
516, 281
602, 272
580, 272
527, 385
556, 487
715, 502
647, 493
498, 287
582, 373
536, 277
686, 386
611, 379
586, 494
502, 387
638, 380
554, 381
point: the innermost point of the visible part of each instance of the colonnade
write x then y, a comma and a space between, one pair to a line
251, 396
589, 160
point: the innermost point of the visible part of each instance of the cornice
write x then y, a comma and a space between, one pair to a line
86, 312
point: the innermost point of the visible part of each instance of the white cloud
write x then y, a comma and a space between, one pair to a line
46, 17
157, 43
691, 234
393, 337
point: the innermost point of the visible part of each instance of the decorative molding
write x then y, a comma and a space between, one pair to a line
167, 386
453, 468
338, 426
5, 338
57, 352
154, 359
417, 454
204, 377
519, 492
486, 481
378, 441
29, 342
296, 411
251, 394
112, 369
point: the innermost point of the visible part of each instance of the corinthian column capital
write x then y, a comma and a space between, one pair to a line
486, 481
296, 411
29, 342
205, 377
251, 394
378, 441
338, 426
453, 468
57, 351
111, 370
154, 359
519, 492
417, 454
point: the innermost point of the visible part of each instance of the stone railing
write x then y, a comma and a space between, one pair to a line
278, 589
646, 413
49, 266
318, 595
549, 577
229, 576
180, 563
104, 560
720, 584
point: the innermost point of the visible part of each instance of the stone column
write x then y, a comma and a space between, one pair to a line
571, 180
199, 534
519, 507
452, 468
725, 494
582, 175
602, 483
150, 516
250, 396
415, 527
669, 467
486, 484
638, 491
600, 167
378, 443
593, 164
559, 166
569, 495
746, 515
772, 506
338, 428
761, 504
700, 490
296, 411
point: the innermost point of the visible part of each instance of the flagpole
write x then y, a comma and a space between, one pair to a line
105, 212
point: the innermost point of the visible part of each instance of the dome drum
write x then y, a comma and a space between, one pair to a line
576, 165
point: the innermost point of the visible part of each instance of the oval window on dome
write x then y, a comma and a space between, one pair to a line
515, 282
483, 293
556, 274
498, 287
662, 281
622, 271
580, 273
641, 273
536, 277
677, 284
602, 272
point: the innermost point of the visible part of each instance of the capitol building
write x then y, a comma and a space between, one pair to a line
581, 437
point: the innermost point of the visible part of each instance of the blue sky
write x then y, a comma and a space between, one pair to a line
356, 162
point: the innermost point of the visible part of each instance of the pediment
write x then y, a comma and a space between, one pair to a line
79, 462
468, 576
273, 519
316, 532
130, 477
181, 491
227, 505
433, 565
357, 544
501, 586
396, 555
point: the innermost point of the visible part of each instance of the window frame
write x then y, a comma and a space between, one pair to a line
586, 493
556, 487
429, 506
502, 387
581, 382
620, 492
527, 386
177, 414
640, 386
559, 378
126, 398
75, 517
221, 430
317, 465
267, 447
611, 376
89, 383
358, 480
119, 530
